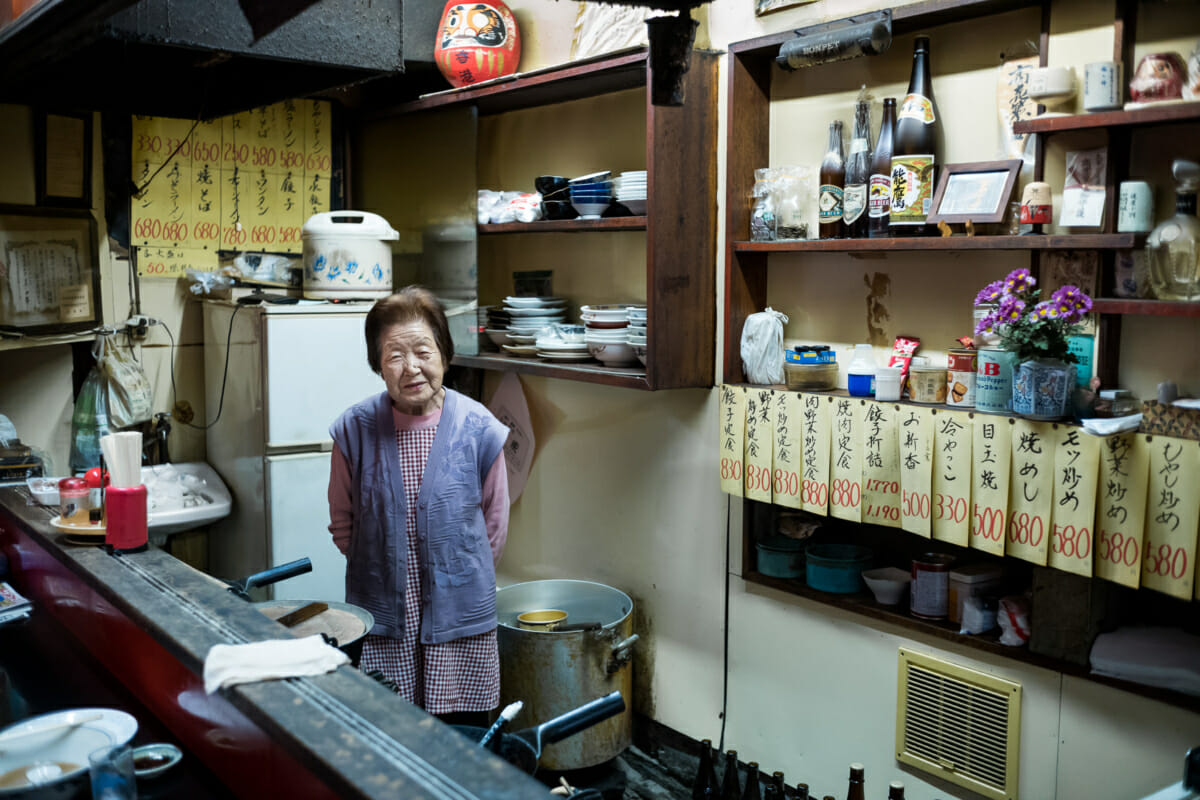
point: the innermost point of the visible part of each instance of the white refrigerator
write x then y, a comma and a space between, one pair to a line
292, 369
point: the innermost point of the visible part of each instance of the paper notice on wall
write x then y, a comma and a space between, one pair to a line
173, 262
915, 429
732, 442
881, 466
991, 451
759, 444
952, 477
75, 303
845, 487
1031, 491
788, 450
1120, 515
1072, 521
1172, 516
1083, 190
814, 476
38, 264
509, 406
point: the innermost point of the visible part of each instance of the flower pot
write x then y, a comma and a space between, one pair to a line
1042, 389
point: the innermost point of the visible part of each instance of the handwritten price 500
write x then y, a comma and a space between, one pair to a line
989, 523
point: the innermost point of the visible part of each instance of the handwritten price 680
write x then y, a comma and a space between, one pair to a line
1026, 528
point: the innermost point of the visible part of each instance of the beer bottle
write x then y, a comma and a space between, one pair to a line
858, 174
914, 149
801, 791
879, 201
730, 788
896, 791
833, 179
856, 790
752, 792
704, 786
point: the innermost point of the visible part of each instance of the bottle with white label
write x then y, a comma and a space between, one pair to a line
860, 372
858, 174
833, 180
879, 195
914, 150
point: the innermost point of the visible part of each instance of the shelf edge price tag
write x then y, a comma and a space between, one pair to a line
759, 443
1031, 491
1120, 518
1172, 516
732, 442
1073, 518
951, 477
788, 450
914, 429
881, 465
991, 453
814, 476
845, 488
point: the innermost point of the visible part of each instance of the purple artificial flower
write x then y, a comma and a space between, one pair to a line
1011, 309
1046, 310
987, 324
1083, 304
1018, 281
990, 293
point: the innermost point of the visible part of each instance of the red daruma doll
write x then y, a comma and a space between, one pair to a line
477, 42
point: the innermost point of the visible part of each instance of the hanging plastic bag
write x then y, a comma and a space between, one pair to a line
130, 397
762, 347
89, 422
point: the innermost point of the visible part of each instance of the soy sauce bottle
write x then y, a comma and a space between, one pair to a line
914, 150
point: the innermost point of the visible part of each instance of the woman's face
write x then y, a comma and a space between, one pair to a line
412, 367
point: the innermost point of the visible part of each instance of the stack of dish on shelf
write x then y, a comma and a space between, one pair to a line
636, 332
592, 194
607, 332
563, 343
496, 326
528, 316
630, 188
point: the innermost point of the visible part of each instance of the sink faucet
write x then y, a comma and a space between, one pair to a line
158, 438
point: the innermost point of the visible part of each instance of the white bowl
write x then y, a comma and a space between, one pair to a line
499, 338
1051, 85
887, 584
637, 207
612, 353
612, 312
590, 210
533, 302
639, 350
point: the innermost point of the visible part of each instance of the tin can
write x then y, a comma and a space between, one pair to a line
926, 384
993, 380
960, 377
929, 597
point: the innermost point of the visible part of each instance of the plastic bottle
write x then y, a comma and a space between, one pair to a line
860, 372
88, 423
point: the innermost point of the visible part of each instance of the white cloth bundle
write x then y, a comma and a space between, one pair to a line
231, 664
762, 347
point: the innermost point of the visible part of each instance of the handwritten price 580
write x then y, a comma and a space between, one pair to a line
1069, 542
1117, 549
1167, 561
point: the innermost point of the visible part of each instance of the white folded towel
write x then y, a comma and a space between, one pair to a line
231, 664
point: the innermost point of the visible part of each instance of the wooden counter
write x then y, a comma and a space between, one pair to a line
149, 620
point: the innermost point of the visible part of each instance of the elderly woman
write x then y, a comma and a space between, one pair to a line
418, 502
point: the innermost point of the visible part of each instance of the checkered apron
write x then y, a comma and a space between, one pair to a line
459, 675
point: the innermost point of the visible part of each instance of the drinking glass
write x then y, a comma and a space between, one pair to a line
112, 773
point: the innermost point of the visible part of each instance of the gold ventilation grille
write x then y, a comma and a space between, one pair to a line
958, 724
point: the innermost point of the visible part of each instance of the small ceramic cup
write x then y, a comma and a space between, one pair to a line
1135, 207
1102, 86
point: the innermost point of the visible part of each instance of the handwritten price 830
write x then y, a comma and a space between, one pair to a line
786, 483
731, 469
758, 479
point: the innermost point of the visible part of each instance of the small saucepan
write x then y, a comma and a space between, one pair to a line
523, 748
343, 625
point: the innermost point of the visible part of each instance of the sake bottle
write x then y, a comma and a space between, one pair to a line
730, 787
896, 791
914, 149
856, 790
704, 786
751, 791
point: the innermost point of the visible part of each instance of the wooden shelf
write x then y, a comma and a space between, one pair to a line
864, 605
573, 81
1154, 115
567, 225
1081, 241
627, 377
1151, 308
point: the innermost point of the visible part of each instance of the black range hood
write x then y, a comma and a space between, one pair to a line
194, 58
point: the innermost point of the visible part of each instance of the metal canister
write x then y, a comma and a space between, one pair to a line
926, 384
929, 594
960, 377
993, 380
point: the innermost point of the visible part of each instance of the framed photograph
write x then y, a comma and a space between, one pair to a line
49, 271
978, 192
63, 158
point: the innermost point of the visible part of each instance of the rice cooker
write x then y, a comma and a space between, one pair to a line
346, 255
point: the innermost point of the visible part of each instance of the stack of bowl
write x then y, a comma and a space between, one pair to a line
529, 315
635, 334
496, 327
631, 191
563, 343
606, 334
556, 200
592, 194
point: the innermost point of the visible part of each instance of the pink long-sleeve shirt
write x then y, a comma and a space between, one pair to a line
341, 503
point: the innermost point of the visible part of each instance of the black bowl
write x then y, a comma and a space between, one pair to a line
549, 184
558, 209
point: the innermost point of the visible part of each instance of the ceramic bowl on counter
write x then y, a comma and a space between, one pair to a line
612, 353
498, 337
888, 584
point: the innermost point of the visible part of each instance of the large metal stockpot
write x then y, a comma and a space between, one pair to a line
555, 671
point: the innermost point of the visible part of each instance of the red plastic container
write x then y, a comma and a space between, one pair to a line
126, 515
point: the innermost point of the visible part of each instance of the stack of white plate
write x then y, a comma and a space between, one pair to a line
630, 190
563, 343
635, 334
606, 334
528, 315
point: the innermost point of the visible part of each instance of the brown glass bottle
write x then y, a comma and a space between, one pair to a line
730, 787
915, 146
879, 195
775, 789
801, 791
856, 790
896, 791
858, 174
833, 181
752, 791
704, 786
